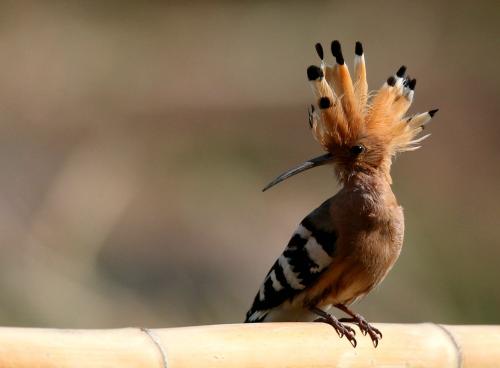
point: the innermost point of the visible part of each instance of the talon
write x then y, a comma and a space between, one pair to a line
364, 327
327, 321
353, 341
350, 329
341, 329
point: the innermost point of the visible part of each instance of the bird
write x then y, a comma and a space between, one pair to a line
344, 248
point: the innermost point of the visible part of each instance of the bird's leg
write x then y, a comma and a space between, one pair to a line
341, 329
361, 322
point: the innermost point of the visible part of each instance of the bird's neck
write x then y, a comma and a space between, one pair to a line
376, 180
374, 189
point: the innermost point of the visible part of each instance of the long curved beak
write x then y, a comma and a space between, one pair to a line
309, 164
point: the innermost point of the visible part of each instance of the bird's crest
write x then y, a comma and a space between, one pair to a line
346, 113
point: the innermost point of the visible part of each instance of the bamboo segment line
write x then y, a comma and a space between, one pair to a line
294, 345
158, 344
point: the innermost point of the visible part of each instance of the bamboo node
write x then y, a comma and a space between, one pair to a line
458, 349
156, 340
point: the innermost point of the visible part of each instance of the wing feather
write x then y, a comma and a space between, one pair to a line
308, 253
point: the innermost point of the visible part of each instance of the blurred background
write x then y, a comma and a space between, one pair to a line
135, 138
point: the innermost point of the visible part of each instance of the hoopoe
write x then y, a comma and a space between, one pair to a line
345, 247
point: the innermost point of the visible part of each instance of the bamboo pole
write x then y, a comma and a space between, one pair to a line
251, 345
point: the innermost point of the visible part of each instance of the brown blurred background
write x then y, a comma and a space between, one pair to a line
135, 138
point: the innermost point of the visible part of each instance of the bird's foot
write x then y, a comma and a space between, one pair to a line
364, 327
340, 328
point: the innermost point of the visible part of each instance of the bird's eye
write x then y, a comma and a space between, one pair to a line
357, 149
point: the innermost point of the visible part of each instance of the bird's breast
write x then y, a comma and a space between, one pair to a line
364, 256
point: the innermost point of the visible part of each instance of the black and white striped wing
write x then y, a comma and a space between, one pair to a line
308, 253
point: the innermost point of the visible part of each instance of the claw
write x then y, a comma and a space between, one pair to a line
341, 329
352, 340
350, 329
324, 320
365, 328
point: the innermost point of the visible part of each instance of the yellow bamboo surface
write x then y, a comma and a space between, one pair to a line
297, 345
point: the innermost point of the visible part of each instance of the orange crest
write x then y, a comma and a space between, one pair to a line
346, 114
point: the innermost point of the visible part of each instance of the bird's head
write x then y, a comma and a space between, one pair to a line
360, 133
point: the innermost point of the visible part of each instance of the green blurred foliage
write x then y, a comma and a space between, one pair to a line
135, 138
